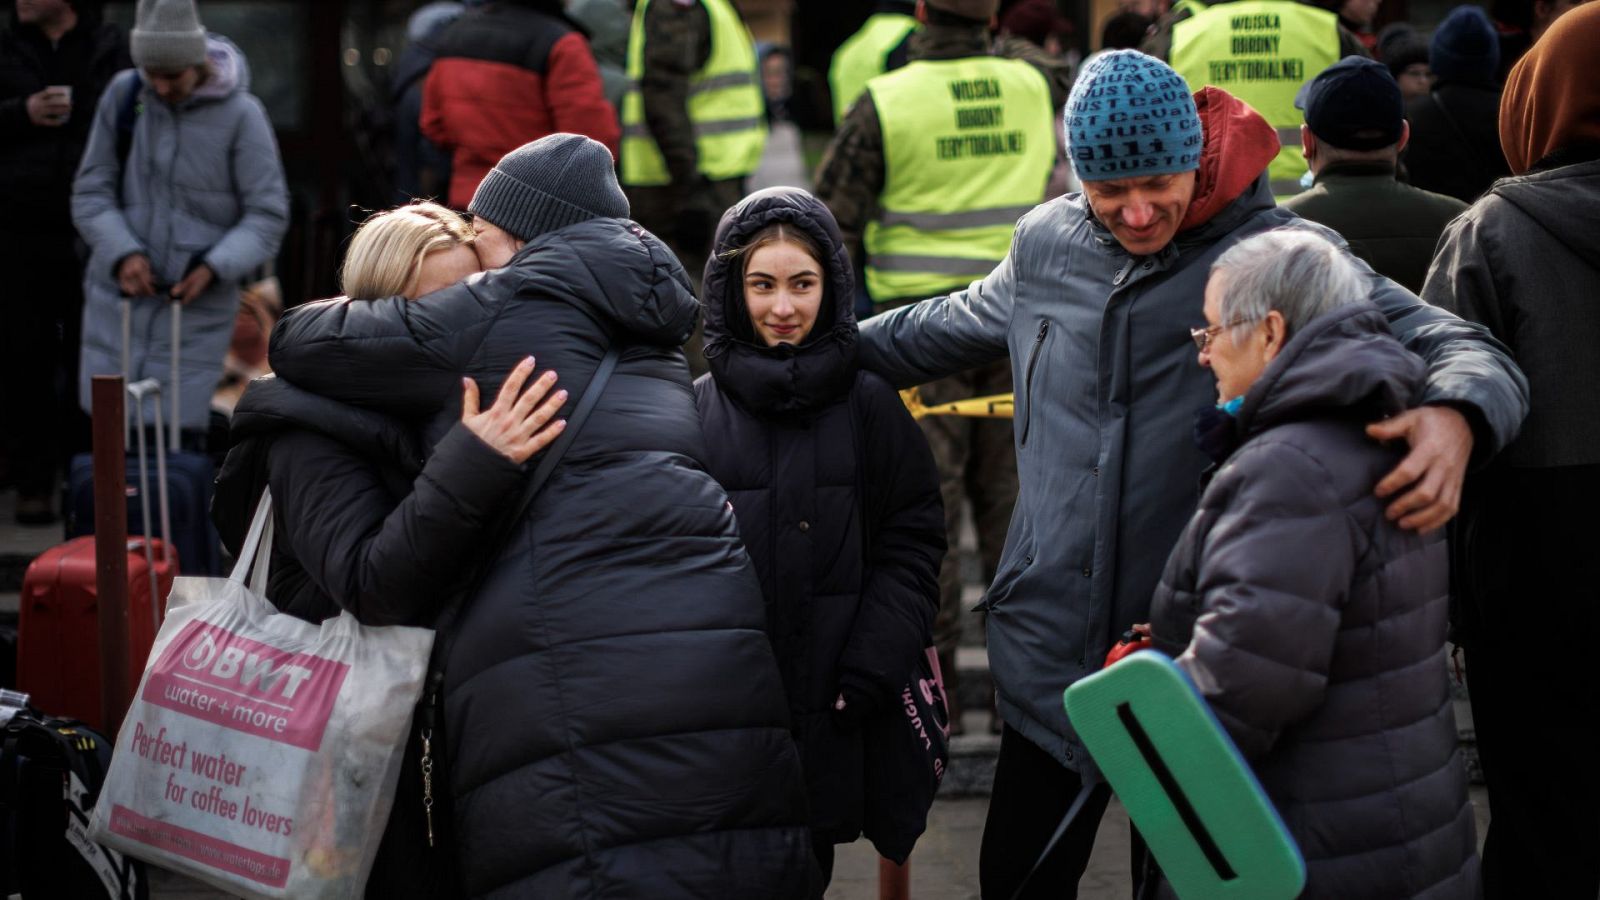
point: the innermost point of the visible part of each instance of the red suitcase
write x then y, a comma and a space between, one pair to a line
58, 633
58, 626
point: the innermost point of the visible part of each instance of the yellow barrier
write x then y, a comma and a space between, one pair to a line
998, 406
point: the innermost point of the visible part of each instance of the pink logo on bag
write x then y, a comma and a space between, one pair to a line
217, 676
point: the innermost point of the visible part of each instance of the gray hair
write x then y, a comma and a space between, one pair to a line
1294, 271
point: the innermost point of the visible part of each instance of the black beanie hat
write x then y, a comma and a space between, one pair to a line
1465, 48
556, 181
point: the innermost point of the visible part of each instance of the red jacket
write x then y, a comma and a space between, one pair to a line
507, 75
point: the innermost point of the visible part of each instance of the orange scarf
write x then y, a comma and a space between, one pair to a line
1552, 96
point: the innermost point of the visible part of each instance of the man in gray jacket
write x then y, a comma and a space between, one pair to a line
1094, 305
180, 195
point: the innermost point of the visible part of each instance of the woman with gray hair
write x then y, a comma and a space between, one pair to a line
1312, 625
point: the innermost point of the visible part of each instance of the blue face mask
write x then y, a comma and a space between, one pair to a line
1232, 406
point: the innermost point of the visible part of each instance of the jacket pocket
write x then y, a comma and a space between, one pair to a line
1027, 381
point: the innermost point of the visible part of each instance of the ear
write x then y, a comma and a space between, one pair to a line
922, 12
1275, 333
1405, 136
1308, 143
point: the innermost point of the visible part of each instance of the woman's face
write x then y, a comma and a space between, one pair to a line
1415, 80
442, 268
1235, 361
783, 292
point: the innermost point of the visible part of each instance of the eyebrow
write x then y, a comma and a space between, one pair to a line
758, 274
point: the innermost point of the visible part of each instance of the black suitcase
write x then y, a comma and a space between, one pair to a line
50, 775
190, 478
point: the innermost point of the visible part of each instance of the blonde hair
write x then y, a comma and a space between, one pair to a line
386, 252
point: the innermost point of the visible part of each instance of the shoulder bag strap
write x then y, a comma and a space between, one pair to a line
541, 474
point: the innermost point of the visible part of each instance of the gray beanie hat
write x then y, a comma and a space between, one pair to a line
167, 36
558, 180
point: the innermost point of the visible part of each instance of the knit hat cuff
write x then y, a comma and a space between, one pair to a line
167, 51
521, 210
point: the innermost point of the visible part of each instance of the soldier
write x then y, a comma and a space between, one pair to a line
1261, 51
878, 46
970, 133
692, 126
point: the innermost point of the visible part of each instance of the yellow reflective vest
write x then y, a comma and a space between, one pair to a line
1260, 51
863, 56
968, 145
725, 105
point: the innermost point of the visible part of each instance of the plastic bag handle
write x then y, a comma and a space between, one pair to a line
255, 554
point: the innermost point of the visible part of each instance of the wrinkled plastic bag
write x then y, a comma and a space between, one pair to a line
261, 752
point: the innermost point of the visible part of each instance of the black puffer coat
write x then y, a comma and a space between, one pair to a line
1315, 627
615, 720
837, 499
337, 473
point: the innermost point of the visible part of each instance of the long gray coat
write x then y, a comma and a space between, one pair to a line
1315, 628
1106, 389
202, 180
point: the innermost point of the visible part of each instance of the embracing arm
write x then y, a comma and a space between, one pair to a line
1468, 368
387, 564
941, 336
1264, 637
905, 517
393, 355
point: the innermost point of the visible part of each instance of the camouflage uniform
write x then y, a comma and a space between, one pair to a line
976, 457
677, 43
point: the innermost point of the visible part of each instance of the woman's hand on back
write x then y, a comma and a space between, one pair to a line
516, 425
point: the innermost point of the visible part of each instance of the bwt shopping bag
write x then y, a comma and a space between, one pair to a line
261, 751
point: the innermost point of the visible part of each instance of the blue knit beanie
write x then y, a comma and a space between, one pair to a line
1130, 115
1465, 48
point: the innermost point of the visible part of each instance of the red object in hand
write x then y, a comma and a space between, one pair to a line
1132, 642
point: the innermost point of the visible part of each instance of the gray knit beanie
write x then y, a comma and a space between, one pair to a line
167, 36
558, 180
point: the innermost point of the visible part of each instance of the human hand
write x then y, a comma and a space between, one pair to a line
193, 284
50, 107
1441, 445
515, 425
133, 276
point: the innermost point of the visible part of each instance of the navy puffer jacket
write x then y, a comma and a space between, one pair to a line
837, 498
615, 720
1315, 627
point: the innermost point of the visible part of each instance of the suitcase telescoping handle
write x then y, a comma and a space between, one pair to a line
138, 391
174, 436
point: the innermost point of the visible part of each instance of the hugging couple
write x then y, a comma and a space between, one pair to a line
624, 712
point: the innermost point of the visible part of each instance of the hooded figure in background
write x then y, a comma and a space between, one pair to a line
615, 722
180, 195
1453, 149
1524, 261
835, 490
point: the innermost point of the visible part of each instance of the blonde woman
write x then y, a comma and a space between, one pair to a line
363, 517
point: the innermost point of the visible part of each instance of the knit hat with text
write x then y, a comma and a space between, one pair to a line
556, 181
167, 36
1130, 115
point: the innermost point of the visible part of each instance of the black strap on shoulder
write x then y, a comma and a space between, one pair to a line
443, 626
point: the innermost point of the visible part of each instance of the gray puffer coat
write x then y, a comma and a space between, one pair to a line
202, 183
1315, 628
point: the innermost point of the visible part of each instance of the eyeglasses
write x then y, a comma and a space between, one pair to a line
1202, 336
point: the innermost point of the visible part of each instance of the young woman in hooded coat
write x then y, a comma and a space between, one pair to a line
832, 483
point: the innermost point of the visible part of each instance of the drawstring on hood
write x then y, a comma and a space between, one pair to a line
785, 378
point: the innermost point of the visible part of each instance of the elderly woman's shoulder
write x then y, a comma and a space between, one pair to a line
1315, 462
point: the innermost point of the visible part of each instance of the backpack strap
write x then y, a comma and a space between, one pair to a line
127, 111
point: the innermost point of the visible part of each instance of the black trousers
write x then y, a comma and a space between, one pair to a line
41, 310
1532, 579
1032, 792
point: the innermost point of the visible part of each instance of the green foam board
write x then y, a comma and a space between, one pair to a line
1183, 782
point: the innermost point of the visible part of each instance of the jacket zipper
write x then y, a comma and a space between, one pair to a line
1027, 381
